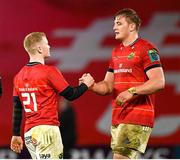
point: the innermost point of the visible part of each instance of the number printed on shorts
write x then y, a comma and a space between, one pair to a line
27, 102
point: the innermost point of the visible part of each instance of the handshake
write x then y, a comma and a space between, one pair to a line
87, 79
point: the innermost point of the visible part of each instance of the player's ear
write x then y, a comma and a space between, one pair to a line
132, 27
39, 49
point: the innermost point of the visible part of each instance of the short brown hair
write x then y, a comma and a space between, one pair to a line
32, 39
131, 16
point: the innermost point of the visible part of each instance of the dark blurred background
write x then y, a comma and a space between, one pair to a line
81, 38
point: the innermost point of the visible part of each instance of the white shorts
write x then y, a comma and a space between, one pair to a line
129, 139
44, 142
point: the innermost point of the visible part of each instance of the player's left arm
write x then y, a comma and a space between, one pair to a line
154, 72
155, 83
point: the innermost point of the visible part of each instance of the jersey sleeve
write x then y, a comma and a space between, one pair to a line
111, 64
111, 67
56, 79
150, 57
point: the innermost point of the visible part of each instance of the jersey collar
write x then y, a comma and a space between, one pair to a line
133, 43
32, 63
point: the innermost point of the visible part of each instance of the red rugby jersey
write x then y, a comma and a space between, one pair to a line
38, 87
129, 64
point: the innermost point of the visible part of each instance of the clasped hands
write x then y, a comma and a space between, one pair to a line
87, 79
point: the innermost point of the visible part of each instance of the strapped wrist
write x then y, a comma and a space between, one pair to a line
132, 90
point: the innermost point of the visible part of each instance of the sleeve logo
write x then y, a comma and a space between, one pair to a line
153, 55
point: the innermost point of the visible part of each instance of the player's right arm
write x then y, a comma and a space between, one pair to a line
17, 115
70, 93
106, 86
16, 140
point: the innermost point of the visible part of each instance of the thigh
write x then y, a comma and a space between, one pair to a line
48, 142
128, 139
138, 136
29, 145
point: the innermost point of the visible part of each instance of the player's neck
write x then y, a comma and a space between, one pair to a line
35, 59
130, 39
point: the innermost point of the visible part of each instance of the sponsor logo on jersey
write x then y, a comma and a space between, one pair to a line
28, 89
131, 55
123, 70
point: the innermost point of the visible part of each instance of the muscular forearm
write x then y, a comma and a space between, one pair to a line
102, 88
150, 87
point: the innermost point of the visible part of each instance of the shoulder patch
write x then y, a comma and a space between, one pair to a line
153, 55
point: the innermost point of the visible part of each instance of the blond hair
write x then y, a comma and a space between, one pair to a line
31, 39
131, 16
